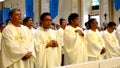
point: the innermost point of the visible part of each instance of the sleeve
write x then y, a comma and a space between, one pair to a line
70, 37
93, 43
11, 50
38, 43
111, 43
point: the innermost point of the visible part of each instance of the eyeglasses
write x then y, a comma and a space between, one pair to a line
48, 20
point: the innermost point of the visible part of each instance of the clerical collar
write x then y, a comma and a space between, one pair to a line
93, 30
17, 25
44, 29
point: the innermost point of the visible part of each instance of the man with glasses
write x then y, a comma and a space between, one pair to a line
96, 45
111, 42
48, 50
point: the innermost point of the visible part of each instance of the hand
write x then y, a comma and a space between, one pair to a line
27, 56
55, 44
52, 43
103, 51
79, 32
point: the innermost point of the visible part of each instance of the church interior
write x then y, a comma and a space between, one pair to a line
104, 11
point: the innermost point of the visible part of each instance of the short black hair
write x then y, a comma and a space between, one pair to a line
72, 16
43, 15
53, 24
86, 23
90, 21
1, 24
61, 20
25, 20
12, 11
110, 24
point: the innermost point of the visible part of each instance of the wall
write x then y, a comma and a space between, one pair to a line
86, 9
37, 12
104, 8
45, 6
21, 5
0, 5
107, 6
66, 7
116, 16
15, 4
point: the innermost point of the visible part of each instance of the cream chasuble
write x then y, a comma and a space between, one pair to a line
46, 57
95, 45
85, 32
112, 45
15, 45
60, 38
32, 31
118, 33
0, 51
75, 49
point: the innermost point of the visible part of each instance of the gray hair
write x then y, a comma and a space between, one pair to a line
12, 11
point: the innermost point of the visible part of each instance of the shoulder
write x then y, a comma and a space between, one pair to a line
8, 28
53, 31
68, 28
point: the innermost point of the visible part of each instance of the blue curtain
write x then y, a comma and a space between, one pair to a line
5, 13
29, 8
54, 8
0, 16
117, 4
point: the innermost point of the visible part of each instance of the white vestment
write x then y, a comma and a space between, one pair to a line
31, 34
32, 31
60, 38
85, 32
15, 45
118, 33
46, 57
95, 45
0, 51
75, 49
112, 45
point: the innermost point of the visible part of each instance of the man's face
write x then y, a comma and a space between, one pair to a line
87, 26
16, 17
29, 22
95, 24
111, 29
46, 22
64, 23
76, 21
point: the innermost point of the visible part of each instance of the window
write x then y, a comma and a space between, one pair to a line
95, 2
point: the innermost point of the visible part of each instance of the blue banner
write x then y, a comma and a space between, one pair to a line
6, 14
54, 8
29, 8
1, 16
117, 4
